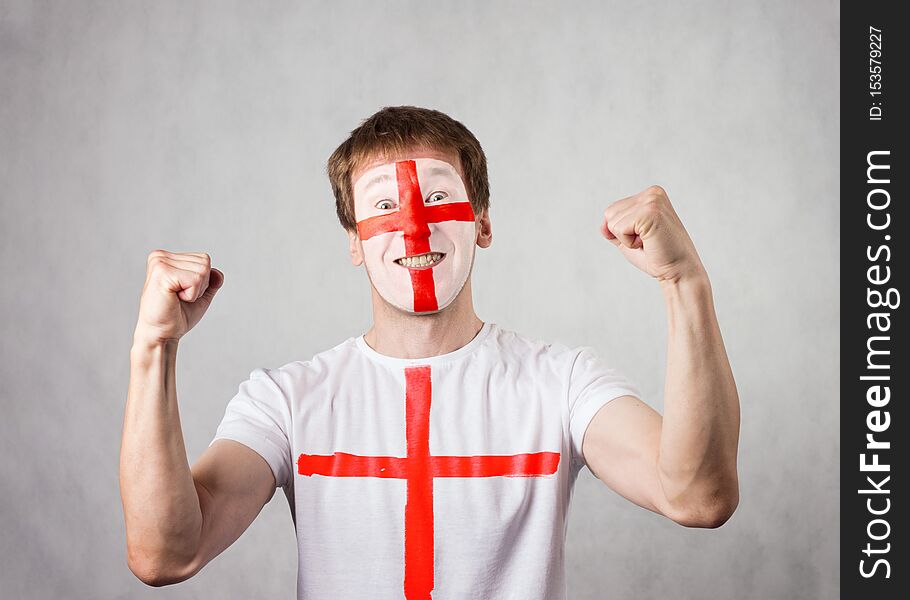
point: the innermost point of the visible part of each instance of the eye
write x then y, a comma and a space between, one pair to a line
385, 204
437, 197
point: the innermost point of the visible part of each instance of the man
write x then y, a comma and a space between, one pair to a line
435, 455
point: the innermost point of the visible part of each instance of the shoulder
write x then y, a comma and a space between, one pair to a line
563, 360
310, 371
514, 346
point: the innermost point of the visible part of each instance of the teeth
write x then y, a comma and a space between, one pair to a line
421, 261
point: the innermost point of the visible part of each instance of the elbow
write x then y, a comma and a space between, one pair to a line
707, 511
148, 574
155, 573
710, 517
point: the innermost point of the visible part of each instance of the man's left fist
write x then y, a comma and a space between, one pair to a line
649, 233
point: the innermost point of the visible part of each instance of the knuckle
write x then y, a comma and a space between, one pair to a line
656, 190
652, 207
207, 257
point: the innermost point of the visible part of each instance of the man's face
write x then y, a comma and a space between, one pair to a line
417, 231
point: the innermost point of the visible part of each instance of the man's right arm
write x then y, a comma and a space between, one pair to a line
178, 519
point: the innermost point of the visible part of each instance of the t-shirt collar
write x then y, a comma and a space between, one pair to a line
429, 360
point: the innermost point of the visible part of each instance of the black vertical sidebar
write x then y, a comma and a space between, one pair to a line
874, 369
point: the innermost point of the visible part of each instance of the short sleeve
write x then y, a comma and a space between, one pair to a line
258, 417
591, 385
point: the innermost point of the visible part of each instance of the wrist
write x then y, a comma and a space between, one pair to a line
689, 302
694, 280
144, 348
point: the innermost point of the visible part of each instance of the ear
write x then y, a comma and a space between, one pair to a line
356, 248
484, 229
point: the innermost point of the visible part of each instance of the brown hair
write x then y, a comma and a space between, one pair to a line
397, 129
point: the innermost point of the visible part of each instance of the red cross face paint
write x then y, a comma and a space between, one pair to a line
416, 226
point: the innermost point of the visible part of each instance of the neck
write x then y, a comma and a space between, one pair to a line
403, 335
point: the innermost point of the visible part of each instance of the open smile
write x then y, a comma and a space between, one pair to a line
427, 260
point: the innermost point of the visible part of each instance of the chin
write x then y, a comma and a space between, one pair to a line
400, 307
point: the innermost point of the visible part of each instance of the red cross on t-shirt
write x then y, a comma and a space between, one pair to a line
419, 468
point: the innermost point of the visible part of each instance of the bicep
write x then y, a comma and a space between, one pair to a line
620, 447
233, 483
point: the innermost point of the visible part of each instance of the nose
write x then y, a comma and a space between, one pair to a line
413, 219
415, 225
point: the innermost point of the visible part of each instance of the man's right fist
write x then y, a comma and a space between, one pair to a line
179, 287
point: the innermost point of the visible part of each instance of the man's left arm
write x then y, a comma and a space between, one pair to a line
681, 465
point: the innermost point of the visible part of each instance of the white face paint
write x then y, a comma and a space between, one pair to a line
417, 230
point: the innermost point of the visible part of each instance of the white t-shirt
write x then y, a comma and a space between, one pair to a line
450, 475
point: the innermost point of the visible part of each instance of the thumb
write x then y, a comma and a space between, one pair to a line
216, 280
604, 231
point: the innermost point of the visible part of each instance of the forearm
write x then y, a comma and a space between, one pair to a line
160, 501
700, 430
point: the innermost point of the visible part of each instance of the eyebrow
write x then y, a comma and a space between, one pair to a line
440, 171
386, 177
377, 180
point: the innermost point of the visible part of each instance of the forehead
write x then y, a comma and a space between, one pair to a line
428, 161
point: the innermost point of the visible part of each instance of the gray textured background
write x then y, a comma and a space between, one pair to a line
128, 126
